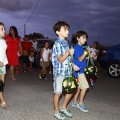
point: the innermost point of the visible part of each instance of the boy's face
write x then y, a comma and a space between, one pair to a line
2, 31
94, 45
63, 33
26, 39
82, 40
46, 45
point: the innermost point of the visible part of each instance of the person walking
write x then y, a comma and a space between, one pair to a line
79, 59
35, 46
3, 62
61, 54
14, 46
26, 47
45, 59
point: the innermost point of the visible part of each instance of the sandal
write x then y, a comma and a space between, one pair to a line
5, 106
66, 112
59, 116
12, 78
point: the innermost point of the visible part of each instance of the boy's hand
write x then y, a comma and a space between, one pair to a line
75, 67
95, 56
86, 52
71, 51
1, 64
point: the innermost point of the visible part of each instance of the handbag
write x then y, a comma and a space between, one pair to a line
70, 84
90, 70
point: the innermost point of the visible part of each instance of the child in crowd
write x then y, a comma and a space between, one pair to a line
95, 52
31, 58
35, 46
60, 58
45, 59
3, 62
80, 60
26, 47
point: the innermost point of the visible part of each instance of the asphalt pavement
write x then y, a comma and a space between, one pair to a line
32, 99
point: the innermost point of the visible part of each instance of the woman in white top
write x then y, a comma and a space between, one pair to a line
45, 59
3, 62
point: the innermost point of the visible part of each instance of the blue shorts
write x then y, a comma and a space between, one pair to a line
57, 84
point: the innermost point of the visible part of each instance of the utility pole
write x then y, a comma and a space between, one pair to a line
99, 39
24, 30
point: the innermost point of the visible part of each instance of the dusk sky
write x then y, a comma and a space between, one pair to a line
99, 18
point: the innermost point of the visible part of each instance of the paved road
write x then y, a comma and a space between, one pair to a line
32, 99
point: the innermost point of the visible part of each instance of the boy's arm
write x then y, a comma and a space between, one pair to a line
1, 56
1, 64
62, 58
41, 53
20, 48
81, 58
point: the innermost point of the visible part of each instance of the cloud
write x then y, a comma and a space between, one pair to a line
15, 5
97, 17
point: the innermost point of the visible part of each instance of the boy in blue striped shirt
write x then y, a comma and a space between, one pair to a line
61, 55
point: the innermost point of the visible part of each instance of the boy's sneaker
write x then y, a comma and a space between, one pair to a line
83, 108
59, 116
25, 71
31, 69
75, 104
45, 78
40, 77
66, 112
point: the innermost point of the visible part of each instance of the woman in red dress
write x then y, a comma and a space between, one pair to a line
14, 46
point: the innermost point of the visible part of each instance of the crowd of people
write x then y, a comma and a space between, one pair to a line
56, 57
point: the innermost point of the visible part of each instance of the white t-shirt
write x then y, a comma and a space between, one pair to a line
45, 55
3, 47
34, 45
94, 51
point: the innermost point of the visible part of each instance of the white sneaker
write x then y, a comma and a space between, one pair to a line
45, 78
40, 77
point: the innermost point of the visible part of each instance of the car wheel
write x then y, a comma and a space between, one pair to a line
114, 69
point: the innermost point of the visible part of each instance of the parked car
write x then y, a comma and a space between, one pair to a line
111, 60
41, 45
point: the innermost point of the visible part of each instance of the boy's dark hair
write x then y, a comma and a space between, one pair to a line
46, 42
15, 30
79, 34
26, 36
58, 25
96, 42
1, 23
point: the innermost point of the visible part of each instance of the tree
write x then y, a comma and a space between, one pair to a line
36, 35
